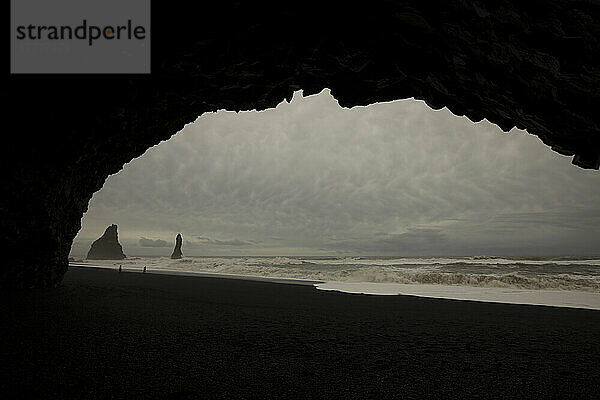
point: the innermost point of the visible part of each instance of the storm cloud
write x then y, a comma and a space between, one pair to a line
310, 177
144, 242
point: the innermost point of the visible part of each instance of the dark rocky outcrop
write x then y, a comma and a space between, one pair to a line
107, 247
177, 250
532, 64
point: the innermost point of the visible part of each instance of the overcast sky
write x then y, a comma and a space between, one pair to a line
312, 178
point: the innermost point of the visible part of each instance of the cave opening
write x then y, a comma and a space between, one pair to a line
515, 69
310, 178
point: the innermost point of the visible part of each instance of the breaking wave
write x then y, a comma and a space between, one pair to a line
485, 271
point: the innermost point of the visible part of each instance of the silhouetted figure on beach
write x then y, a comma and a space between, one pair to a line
120, 268
144, 268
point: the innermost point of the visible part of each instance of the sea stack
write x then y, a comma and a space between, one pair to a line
177, 250
107, 247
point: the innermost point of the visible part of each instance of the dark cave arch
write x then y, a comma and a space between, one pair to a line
531, 64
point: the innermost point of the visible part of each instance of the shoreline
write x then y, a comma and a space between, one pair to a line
548, 298
292, 281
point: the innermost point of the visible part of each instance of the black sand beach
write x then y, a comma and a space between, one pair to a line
130, 335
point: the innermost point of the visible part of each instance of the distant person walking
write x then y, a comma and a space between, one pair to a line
144, 268
120, 268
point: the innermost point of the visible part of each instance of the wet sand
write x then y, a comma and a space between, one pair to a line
105, 334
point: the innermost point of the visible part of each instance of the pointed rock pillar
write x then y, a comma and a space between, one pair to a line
177, 250
107, 247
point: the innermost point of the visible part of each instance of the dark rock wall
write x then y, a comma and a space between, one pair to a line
531, 64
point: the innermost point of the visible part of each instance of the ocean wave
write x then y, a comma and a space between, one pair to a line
385, 275
547, 276
508, 280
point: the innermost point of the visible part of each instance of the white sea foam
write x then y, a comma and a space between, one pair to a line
556, 298
480, 272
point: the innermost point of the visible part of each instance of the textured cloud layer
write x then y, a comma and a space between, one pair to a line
310, 177
145, 242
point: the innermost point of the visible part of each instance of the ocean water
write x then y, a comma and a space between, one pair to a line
576, 274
